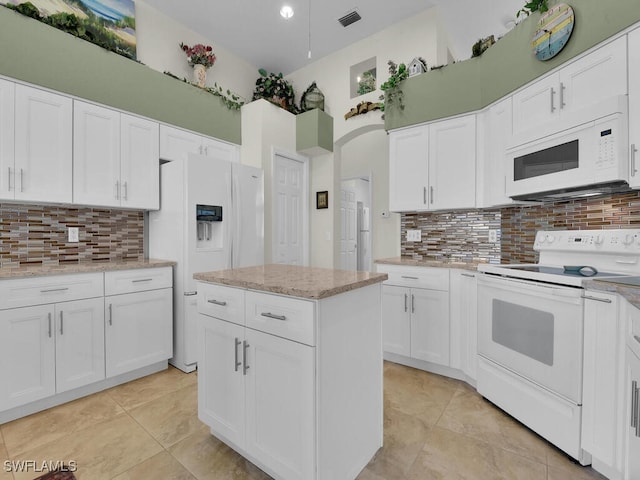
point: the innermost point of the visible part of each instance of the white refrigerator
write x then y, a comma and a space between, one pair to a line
211, 217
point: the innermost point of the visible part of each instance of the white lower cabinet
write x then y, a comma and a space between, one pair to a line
53, 333
464, 322
632, 417
415, 320
50, 349
294, 385
139, 322
603, 379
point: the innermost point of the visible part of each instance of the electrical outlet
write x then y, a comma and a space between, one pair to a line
414, 235
493, 236
74, 235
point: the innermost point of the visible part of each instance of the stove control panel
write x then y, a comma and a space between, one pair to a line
620, 241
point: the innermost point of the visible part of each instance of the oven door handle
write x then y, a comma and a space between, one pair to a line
528, 287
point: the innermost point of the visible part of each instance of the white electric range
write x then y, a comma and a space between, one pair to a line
530, 328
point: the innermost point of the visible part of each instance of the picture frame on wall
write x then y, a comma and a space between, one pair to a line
322, 200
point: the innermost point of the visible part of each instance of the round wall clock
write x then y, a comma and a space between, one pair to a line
553, 31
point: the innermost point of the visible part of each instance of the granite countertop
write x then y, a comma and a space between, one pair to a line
81, 267
629, 292
293, 280
421, 262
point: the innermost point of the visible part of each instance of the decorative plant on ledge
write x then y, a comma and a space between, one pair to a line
231, 100
533, 6
392, 92
276, 90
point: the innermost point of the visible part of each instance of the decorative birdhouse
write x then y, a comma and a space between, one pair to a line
417, 66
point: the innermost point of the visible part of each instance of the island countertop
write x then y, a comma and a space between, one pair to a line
293, 280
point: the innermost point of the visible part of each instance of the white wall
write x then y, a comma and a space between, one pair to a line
266, 128
322, 223
158, 47
415, 37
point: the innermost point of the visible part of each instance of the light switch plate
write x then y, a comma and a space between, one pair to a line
73, 235
414, 235
493, 236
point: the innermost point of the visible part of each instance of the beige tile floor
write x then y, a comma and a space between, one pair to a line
435, 428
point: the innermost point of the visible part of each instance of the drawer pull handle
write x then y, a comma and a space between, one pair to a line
468, 275
54, 290
217, 302
190, 294
409, 278
603, 300
61, 324
142, 280
237, 363
272, 315
245, 367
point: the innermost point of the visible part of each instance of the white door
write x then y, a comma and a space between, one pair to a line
348, 230
493, 168
96, 155
27, 354
535, 105
408, 169
248, 206
79, 335
464, 322
280, 404
177, 144
140, 165
288, 210
430, 325
452, 163
396, 326
634, 106
632, 459
7, 176
138, 330
43, 146
221, 377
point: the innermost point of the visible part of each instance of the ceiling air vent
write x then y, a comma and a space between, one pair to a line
351, 17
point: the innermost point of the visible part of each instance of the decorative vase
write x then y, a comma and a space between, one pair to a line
200, 75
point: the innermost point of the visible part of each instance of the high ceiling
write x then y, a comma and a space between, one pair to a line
255, 31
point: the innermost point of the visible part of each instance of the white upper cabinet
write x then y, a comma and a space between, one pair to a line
96, 152
433, 167
43, 146
555, 102
7, 99
452, 163
116, 161
176, 143
634, 106
408, 169
494, 134
139, 163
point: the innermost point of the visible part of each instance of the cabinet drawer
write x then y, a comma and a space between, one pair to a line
22, 292
138, 280
433, 278
285, 317
226, 303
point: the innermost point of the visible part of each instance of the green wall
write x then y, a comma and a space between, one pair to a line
39, 54
506, 66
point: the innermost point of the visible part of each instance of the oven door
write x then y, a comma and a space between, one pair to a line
534, 330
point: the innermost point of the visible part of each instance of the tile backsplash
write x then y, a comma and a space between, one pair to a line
459, 235
37, 235
464, 235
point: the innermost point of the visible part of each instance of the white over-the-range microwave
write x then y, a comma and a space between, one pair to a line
589, 158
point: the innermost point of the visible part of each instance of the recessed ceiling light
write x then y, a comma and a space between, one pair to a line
286, 12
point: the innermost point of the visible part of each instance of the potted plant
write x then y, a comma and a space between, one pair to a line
201, 58
275, 89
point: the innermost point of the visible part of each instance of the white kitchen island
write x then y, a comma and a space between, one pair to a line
290, 367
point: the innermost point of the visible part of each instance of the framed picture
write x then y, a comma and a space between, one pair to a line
322, 199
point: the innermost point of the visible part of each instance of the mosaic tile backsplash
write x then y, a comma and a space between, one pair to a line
464, 235
458, 236
37, 235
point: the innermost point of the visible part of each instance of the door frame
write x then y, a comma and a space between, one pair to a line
305, 199
369, 178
